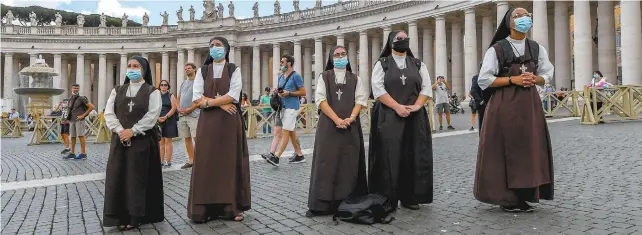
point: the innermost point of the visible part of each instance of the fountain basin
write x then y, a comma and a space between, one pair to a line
32, 91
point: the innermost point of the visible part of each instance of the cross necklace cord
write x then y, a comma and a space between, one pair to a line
339, 86
131, 101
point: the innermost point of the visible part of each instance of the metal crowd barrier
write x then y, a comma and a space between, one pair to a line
618, 103
48, 130
11, 128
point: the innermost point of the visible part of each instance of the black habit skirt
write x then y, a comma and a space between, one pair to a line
134, 183
400, 156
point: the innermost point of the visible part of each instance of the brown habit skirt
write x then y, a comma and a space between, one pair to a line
514, 155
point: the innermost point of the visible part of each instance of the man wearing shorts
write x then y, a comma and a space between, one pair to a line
441, 88
64, 124
79, 108
188, 113
290, 89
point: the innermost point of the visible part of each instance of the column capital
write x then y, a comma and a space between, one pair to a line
164, 53
469, 11
57, 54
123, 54
387, 28
363, 32
80, 55
255, 46
319, 39
412, 23
340, 36
8, 54
276, 45
501, 3
440, 17
102, 55
297, 42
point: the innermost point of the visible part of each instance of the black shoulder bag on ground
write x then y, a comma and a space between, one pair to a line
368, 209
275, 100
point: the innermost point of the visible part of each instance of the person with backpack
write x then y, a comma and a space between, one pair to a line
400, 154
514, 159
220, 185
286, 104
339, 159
79, 108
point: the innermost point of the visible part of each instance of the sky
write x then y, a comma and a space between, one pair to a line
135, 9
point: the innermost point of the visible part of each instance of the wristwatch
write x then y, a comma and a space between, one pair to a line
510, 80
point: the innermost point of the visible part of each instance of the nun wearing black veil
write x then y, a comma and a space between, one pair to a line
339, 162
514, 159
400, 154
134, 182
220, 185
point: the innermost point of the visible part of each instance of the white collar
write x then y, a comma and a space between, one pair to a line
515, 41
398, 57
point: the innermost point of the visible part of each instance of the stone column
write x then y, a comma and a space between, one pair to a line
32, 60
562, 53
180, 69
386, 32
190, 55
502, 8
56, 79
340, 40
232, 54
471, 65
593, 35
173, 74
428, 56
256, 72
606, 41
307, 72
237, 56
583, 44
123, 67
109, 74
540, 23
165, 66
297, 57
103, 88
352, 56
80, 71
8, 76
414, 37
363, 54
318, 56
376, 49
630, 42
441, 56
64, 78
145, 55
85, 87
487, 33
457, 79
265, 70
276, 58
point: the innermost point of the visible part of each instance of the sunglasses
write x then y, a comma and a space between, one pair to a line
164, 85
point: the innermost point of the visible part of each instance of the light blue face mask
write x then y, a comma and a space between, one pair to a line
523, 24
217, 53
594, 75
340, 63
133, 75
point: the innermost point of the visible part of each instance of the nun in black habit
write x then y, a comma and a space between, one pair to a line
339, 162
514, 159
134, 182
400, 154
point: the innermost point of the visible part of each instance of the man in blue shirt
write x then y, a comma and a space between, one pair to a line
290, 89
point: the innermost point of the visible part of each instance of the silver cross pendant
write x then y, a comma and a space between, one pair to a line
403, 79
339, 92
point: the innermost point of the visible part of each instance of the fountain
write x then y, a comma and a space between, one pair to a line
41, 88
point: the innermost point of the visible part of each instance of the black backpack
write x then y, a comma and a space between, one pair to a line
275, 100
368, 209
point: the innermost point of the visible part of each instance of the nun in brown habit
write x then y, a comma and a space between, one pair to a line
514, 159
134, 182
400, 155
339, 162
220, 185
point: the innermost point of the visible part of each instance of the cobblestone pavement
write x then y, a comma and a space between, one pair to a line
597, 172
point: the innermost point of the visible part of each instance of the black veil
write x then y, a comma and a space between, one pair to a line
387, 50
146, 71
330, 64
209, 58
503, 29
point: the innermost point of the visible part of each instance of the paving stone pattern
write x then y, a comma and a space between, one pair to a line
597, 175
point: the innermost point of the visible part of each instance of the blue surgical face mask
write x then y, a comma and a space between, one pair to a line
595, 76
340, 63
217, 53
523, 24
133, 75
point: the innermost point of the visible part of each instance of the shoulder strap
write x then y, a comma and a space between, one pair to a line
417, 62
204, 71
231, 67
534, 50
383, 61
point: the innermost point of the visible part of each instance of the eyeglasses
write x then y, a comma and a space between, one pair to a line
340, 55
164, 85
522, 15
400, 38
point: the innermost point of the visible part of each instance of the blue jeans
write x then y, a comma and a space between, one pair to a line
267, 129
